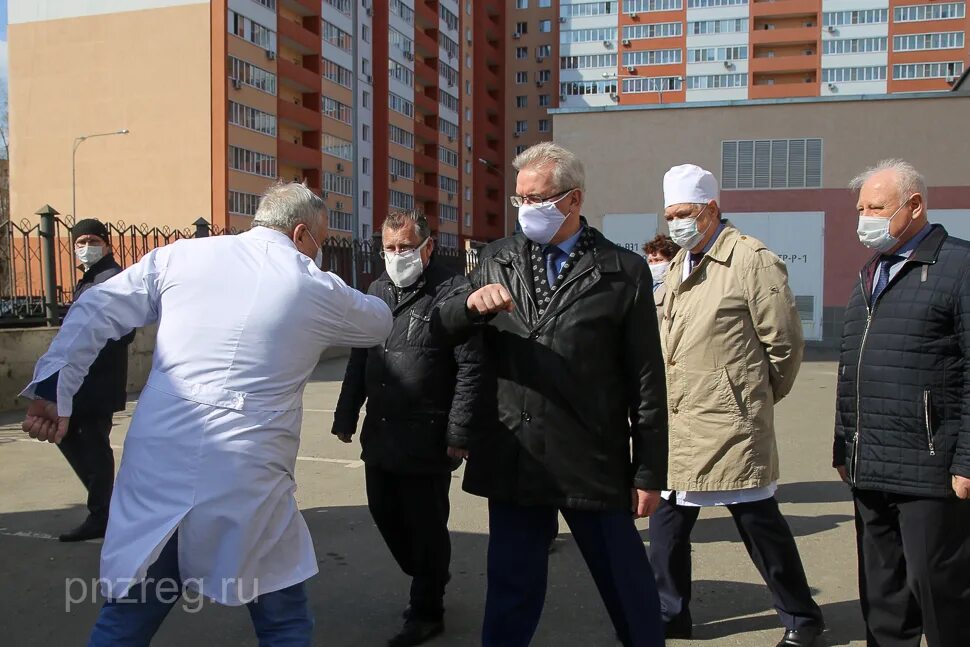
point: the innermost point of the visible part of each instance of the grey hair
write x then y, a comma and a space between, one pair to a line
401, 219
908, 179
286, 205
567, 170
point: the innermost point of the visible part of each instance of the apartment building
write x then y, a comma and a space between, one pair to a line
370, 102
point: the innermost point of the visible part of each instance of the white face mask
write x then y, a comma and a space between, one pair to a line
88, 255
659, 270
540, 222
318, 257
405, 268
683, 231
874, 233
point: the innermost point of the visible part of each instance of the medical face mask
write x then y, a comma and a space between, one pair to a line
683, 231
659, 270
88, 255
405, 268
874, 231
540, 222
318, 258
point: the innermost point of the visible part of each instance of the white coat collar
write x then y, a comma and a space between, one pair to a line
270, 236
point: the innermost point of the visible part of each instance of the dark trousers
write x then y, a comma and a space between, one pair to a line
281, 618
769, 542
518, 561
87, 448
914, 569
411, 512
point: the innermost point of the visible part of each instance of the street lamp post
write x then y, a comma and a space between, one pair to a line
77, 143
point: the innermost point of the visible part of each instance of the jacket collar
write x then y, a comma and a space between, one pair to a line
108, 260
720, 251
271, 236
926, 252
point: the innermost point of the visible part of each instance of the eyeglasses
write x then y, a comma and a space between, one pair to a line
403, 249
519, 200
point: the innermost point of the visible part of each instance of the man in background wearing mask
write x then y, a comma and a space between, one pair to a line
902, 425
732, 340
660, 251
103, 392
423, 392
570, 321
205, 494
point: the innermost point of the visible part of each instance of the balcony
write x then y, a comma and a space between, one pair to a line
783, 64
303, 7
783, 91
786, 36
779, 8
425, 163
426, 43
425, 132
298, 115
425, 104
298, 155
426, 193
298, 37
427, 71
297, 76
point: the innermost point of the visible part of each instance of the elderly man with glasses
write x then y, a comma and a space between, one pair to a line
570, 321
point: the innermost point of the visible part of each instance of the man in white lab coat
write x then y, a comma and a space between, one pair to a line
205, 493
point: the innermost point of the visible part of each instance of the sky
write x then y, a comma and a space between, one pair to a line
3, 43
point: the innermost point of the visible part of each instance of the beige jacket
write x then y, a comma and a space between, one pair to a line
658, 299
732, 342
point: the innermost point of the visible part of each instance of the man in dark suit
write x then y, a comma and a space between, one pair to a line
86, 445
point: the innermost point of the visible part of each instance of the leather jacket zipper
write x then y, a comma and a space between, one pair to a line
929, 426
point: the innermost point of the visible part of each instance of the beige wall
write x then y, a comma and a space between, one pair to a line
148, 71
626, 152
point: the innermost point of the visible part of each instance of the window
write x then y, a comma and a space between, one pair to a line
468, 193
243, 27
340, 220
447, 17
919, 13
365, 165
643, 6
365, 198
450, 46
400, 136
771, 164
468, 114
520, 149
589, 61
447, 128
544, 126
855, 45
708, 54
269, 4
448, 241
710, 81
365, 33
521, 126
400, 73
652, 30
337, 73
941, 40
365, 66
468, 61
545, 4
521, 78
468, 166
365, 132
247, 161
448, 100
400, 9
521, 4
338, 147
947, 70
521, 52
400, 169
400, 200
448, 213
587, 35
243, 204
575, 88
586, 9
522, 27
447, 184
339, 184
448, 73
730, 26
652, 84
544, 76
251, 75
335, 110
337, 37
343, 6
365, 99
544, 101
447, 156
261, 122
850, 74
652, 57
545, 26
400, 104
543, 51
396, 39
700, 4
468, 219
860, 17
522, 101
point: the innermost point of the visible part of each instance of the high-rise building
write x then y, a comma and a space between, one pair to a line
372, 103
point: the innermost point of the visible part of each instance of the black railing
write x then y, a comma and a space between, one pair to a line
38, 271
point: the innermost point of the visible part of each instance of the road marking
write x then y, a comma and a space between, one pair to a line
30, 534
350, 464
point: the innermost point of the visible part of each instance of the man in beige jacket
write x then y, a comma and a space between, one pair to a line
732, 343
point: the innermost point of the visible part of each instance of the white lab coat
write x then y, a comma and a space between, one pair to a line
212, 447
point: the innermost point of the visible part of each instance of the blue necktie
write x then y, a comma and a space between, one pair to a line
695, 260
553, 254
882, 280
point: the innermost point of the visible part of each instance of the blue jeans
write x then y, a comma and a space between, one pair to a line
281, 618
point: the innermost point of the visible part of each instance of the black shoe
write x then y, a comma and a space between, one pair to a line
678, 630
417, 632
804, 637
90, 529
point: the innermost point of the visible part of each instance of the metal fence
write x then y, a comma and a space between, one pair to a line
38, 271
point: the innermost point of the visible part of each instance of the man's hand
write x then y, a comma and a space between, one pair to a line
645, 502
455, 452
346, 438
489, 299
961, 485
43, 423
843, 474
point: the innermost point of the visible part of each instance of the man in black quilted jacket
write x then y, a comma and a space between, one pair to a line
902, 428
